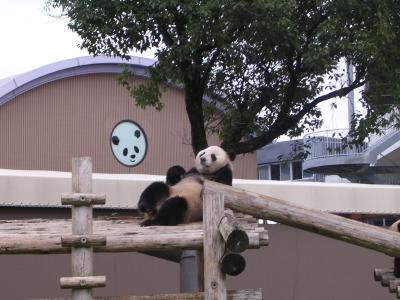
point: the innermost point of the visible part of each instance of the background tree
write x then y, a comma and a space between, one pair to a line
265, 64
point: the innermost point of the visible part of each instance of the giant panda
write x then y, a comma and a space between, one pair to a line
396, 227
179, 200
213, 163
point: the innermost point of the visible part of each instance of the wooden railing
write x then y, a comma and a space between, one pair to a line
222, 236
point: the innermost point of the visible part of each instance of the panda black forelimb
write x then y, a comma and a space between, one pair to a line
171, 213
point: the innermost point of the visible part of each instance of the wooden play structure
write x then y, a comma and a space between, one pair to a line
229, 227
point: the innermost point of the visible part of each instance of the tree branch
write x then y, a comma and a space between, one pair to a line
283, 125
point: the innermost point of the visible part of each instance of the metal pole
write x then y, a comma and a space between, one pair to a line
350, 95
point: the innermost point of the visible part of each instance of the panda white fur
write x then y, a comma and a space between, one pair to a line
179, 200
396, 227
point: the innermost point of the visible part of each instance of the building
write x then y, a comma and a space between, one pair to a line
70, 108
282, 161
377, 161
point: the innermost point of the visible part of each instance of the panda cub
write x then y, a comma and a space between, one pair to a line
213, 163
396, 227
179, 200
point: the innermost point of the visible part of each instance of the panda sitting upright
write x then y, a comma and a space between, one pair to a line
180, 201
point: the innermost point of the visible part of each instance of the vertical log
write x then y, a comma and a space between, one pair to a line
82, 224
214, 247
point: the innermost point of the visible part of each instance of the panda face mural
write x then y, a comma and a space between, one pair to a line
128, 143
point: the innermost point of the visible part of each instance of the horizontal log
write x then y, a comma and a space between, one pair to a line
83, 199
386, 278
123, 235
250, 294
232, 264
82, 282
393, 284
83, 240
379, 272
350, 231
235, 237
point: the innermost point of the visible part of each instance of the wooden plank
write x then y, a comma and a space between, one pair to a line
214, 247
250, 294
350, 231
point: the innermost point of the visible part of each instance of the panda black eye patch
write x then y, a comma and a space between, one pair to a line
115, 140
213, 157
136, 149
125, 152
137, 133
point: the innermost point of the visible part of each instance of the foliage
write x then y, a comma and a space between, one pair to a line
266, 64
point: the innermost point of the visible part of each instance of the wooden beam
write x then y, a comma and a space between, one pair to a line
214, 247
350, 231
235, 237
123, 235
232, 263
83, 199
83, 240
82, 282
255, 294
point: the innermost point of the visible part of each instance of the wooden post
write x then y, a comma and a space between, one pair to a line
214, 247
82, 238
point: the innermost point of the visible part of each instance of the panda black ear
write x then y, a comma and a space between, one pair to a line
232, 155
115, 140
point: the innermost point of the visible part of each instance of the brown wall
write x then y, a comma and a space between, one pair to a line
44, 128
296, 266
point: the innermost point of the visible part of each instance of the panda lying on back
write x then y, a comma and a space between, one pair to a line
180, 201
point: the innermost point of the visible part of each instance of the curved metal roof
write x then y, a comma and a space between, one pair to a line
16, 85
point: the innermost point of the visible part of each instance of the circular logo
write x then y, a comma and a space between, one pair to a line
128, 143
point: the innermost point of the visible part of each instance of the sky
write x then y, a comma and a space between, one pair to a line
30, 38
